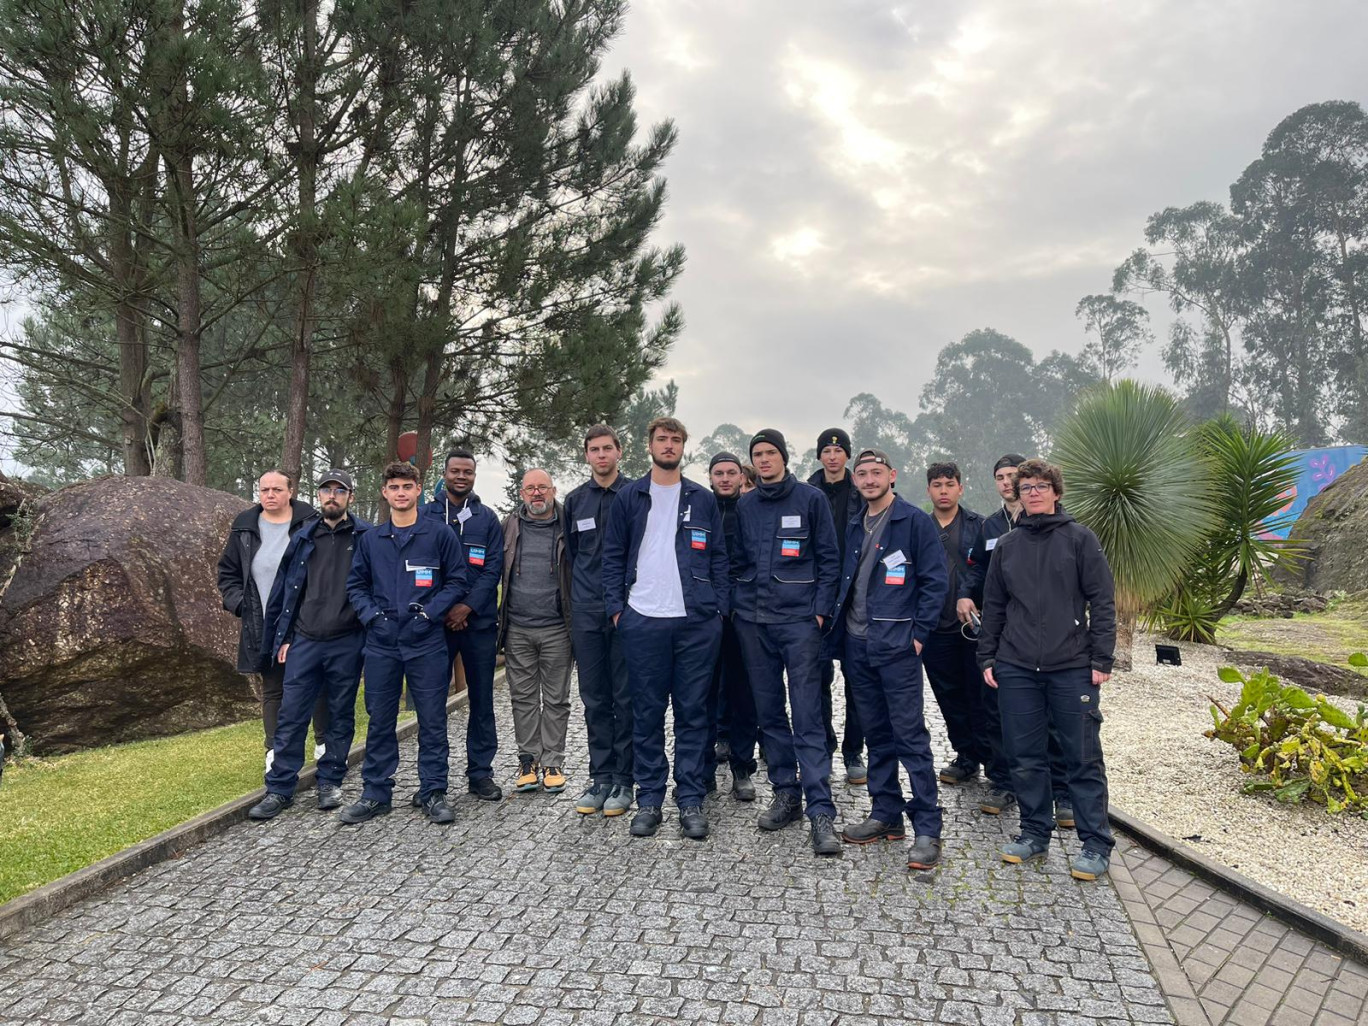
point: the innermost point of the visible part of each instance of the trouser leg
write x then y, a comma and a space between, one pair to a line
905, 698
852, 738
1078, 721
647, 642
828, 678
478, 650
801, 647
384, 671
742, 725
995, 767
303, 679
596, 695
1024, 703
429, 683
943, 659
885, 790
272, 691
522, 671
694, 648
623, 774
556, 662
765, 669
342, 677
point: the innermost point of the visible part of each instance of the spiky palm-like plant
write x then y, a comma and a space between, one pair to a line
1133, 473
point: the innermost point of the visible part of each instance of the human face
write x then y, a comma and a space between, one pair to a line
874, 480
401, 493
335, 499
667, 448
1037, 495
602, 454
538, 493
273, 491
945, 493
768, 463
459, 476
833, 459
726, 479
1005, 479
747, 485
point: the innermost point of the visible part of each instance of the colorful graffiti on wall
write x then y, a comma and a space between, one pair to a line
1318, 468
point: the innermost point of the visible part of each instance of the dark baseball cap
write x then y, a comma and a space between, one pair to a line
337, 477
873, 456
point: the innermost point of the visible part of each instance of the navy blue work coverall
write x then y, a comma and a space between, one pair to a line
326, 669
482, 539
731, 704
907, 587
602, 665
784, 575
401, 591
669, 659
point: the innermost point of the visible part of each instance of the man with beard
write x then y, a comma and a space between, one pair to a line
472, 626
665, 587
535, 617
785, 574
310, 621
597, 645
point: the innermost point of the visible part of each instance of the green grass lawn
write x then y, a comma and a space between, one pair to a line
65, 813
1328, 637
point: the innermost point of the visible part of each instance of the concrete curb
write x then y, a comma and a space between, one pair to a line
32, 908
1335, 935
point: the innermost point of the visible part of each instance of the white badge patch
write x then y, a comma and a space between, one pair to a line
687, 511
990, 544
793, 521
894, 559
464, 515
587, 524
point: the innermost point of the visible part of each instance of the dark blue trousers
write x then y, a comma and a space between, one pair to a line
731, 709
852, 735
429, 679
669, 663
331, 669
769, 650
956, 681
890, 700
1031, 702
607, 699
477, 649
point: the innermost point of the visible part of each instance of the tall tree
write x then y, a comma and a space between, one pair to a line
1117, 330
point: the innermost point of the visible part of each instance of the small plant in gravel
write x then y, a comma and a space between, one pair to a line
1296, 746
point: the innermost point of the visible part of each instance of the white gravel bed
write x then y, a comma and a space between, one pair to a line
1162, 770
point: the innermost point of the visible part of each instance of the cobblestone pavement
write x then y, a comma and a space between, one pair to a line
525, 912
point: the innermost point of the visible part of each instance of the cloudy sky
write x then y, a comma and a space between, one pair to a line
859, 183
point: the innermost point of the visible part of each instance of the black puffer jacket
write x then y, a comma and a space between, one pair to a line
235, 579
1048, 601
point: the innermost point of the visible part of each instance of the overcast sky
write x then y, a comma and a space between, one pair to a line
857, 183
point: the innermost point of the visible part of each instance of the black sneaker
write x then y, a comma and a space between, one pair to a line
997, 800
872, 830
961, 771
824, 839
435, 807
693, 823
329, 797
784, 809
743, 788
925, 852
270, 807
485, 789
723, 752
647, 821
366, 808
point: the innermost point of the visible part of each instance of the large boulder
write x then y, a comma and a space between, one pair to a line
1333, 527
111, 627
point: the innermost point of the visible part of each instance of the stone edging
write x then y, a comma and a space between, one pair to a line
32, 908
1335, 935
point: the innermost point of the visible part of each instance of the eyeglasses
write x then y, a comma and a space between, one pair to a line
535, 489
339, 490
1035, 489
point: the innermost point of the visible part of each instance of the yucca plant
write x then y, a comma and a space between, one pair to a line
1133, 473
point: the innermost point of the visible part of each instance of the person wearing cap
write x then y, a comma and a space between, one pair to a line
731, 706
836, 483
784, 577
665, 588
599, 659
472, 626
893, 587
313, 633
406, 575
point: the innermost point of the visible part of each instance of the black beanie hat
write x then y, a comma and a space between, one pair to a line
724, 457
1010, 460
834, 436
774, 438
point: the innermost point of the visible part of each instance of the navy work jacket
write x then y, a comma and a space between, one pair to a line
586, 519
788, 562
428, 571
700, 549
482, 538
906, 597
283, 608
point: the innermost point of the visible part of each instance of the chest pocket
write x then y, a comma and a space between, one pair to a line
475, 555
699, 542
792, 562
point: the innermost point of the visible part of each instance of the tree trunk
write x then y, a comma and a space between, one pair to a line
133, 390
394, 416
427, 404
195, 461
1125, 638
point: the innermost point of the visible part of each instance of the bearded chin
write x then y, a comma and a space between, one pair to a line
665, 464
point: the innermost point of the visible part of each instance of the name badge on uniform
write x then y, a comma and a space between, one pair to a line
422, 577
475, 555
698, 540
894, 559
464, 515
990, 544
895, 574
587, 524
790, 547
790, 521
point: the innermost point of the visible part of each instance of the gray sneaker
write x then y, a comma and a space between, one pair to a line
1089, 865
592, 800
1024, 849
618, 801
1064, 816
996, 801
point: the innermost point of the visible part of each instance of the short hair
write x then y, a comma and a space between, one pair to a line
289, 481
458, 454
749, 473
601, 431
1040, 470
669, 424
945, 469
402, 471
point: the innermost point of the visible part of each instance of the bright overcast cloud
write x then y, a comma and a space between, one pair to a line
857, 184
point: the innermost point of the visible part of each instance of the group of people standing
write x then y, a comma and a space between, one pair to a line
728, 604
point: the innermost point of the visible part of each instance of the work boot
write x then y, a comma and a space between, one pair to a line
960, 771
872, 830
824, 838
784, 809
366, 808
329, 797
270, 807
553, 779
997, 800
924, 853
647, 821
743, 789
485, 789
723, 752
693, 823
435, 807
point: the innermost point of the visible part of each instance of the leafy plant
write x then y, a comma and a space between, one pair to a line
1295, 746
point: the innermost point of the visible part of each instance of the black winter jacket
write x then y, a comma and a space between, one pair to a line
1048, 603
235, 580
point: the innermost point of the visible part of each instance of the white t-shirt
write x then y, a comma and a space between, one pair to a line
658, 591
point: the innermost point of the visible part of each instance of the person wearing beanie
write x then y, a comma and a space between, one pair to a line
785, 573
835, 482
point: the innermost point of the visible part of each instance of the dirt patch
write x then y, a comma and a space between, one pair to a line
1328, 637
